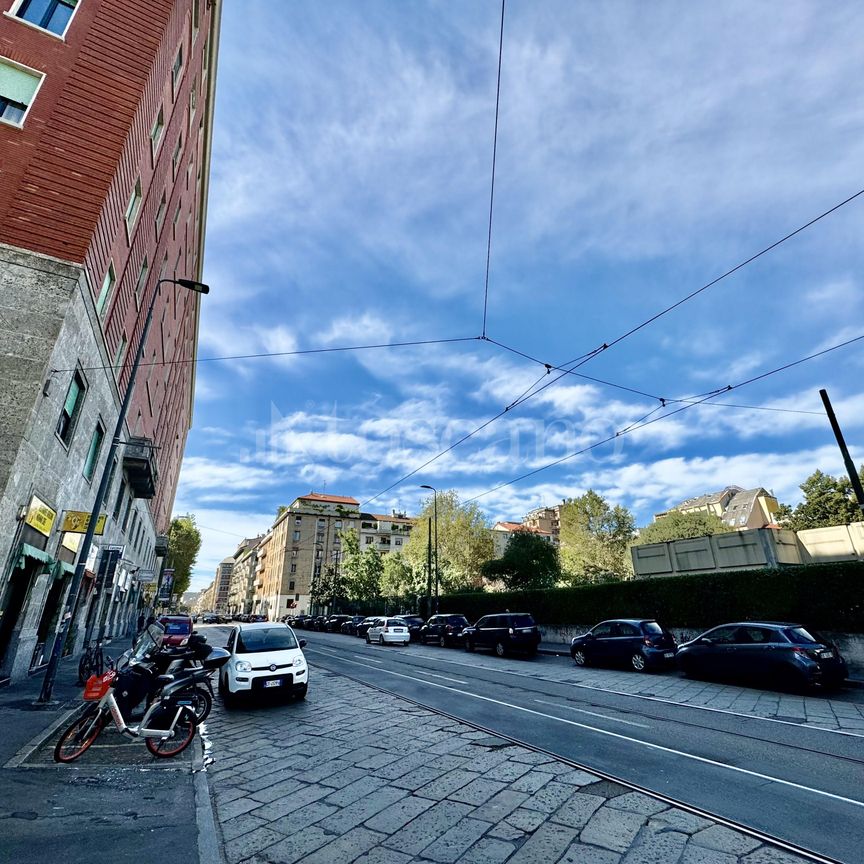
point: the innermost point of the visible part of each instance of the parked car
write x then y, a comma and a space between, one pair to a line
335, 622
317, 623
265, 657
349, 628
178, 629
504, 633
301, 621
363, 627
387, 631
209, 619
640, 643
781, 654
415, 625
444, 630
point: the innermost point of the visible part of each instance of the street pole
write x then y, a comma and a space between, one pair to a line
435, 510
854, 479
84, 549
429, 568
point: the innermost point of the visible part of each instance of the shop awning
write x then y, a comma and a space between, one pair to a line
62, 568
28, 551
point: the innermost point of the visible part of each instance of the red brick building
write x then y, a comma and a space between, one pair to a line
105, 126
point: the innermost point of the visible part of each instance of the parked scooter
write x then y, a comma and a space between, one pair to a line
169, 724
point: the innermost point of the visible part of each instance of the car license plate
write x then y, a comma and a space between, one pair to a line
826, 655
669, 654
276, 683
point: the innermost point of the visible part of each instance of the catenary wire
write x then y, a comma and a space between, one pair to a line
299, 352
494, 159
643, 422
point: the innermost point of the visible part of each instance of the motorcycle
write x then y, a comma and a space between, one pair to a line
167, 727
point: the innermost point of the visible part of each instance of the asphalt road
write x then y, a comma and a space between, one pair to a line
797, 783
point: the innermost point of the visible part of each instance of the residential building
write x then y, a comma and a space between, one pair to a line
741, 509
242, 587
384, 533
545, 519
222, 585
105, 127
302, 541
503, 531
206, 599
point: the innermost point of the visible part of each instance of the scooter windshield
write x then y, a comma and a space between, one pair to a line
149, 642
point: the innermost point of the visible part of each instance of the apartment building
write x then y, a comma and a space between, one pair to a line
503, 531
384, 533
741, 509
105, 129
545, 519
241, 591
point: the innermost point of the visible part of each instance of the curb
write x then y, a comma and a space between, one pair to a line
210, 848
46, 734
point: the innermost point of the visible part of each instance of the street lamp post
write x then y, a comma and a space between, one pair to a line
435, 510
84, 549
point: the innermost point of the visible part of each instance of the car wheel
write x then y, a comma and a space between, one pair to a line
381, 639
579, 657
500, 649
637, 661
469, 645
368, 640
442, 642
301, 694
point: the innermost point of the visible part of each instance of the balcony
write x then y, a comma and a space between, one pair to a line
139, 465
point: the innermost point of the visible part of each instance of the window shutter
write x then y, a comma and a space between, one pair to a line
16, 84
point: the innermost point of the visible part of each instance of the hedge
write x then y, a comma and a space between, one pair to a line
822, 596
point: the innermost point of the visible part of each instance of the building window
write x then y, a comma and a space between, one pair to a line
118, 504
18, 86
142, 279
126, 514
71, 408
174, 222
93, 452
196, 14
157, 130
193, 102
291, 585
121, 353
177, 69
133, 207
398, 541
296, 535
298, 520
160, 214
51, 15
107, 287
175, 158
293, 553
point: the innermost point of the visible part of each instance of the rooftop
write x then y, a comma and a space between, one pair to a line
331, 499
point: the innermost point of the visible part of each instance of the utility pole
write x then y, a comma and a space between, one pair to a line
429, 568
854, 479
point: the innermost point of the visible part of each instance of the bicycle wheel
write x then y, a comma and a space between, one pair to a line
79, 736
184, 731
84, 668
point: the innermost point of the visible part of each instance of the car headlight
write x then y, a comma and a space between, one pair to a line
243, 666
298, 661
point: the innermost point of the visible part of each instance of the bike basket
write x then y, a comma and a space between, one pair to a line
98, 685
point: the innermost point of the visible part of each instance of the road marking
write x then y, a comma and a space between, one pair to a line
444, 677
618, 735
593, 714
362, 657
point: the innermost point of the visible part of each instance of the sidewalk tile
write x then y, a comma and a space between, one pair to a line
346, 848
548, 843
297, 820
353, 791
290, 802
531, 782
419, 833
365, 808
447, 784
248, 844
500, 806
453, 843
579, 853
294, 848
702, 855
636, 802
656, 847
478, 791
550, 797
770, 855
612, 829
526, 820
397, 815
241, 825
578, 809
488, 851
724, 839
679, 820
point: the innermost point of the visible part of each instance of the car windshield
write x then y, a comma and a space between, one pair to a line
457, 619
523, 621
651, 627
265, 639
395, 622
412, 619
800, 636
176, 627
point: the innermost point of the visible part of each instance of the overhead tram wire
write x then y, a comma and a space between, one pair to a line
494, 160
642, 422
297, 353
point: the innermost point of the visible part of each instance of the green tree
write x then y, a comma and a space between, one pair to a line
594, 539
528, 562
184, 542
399, 579
464, 541
280, 510
827, 501
327, 587
361, 571
676, 525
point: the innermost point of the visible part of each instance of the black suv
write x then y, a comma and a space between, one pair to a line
335, 622
510, 631
415, 623
640, 643
444, 630
783, 655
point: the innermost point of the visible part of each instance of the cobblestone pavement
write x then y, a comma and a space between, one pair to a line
845, 712
356, 775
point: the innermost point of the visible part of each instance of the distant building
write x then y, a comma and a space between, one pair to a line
384, 533
503, 531
222, 585
545, 519
739, 508
241, 591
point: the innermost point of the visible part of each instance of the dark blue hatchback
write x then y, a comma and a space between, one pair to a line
640, 643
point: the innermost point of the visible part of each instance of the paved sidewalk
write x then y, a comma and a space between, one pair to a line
357, 775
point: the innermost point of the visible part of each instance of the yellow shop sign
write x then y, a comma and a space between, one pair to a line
40, 516
77, 521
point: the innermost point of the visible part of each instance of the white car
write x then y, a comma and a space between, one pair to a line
387, 630
265, 657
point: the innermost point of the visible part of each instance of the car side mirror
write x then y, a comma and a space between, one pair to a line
302, 643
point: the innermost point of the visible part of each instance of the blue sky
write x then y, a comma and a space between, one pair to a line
643, 150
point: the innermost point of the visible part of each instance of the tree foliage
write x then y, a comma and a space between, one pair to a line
528, 562
184, 542
464, 541
827, 501
681, 526
399, 578
328, 586
361, 570
594, 539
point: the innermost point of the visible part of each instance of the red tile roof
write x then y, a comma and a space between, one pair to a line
333, 499
520, 526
